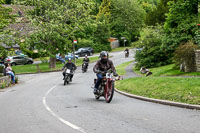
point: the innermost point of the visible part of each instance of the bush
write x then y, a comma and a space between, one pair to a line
185, 55
151, 54
197, 37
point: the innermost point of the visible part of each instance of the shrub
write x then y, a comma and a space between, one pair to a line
197, 37
151, 54
185, 55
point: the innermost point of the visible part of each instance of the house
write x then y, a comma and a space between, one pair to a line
114, 42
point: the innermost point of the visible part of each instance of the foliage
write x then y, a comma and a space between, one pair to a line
157, 15
5, 17
127, 18
197, 37
185, 54
180, 25
5, 37
104, 9
2, 2
151, 54
57, 24
3, 52
3, 85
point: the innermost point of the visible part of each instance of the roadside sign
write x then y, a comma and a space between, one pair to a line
75, 41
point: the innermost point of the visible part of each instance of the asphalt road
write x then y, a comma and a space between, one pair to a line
42, 104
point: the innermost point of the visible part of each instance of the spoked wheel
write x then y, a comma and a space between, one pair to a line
109, 91
66, 81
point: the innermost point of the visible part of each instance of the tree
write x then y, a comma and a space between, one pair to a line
127, 18
56, 23
180, 25
157, 15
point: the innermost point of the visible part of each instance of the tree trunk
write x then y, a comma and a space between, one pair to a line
52, 62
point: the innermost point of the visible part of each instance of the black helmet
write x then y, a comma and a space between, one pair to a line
103, 54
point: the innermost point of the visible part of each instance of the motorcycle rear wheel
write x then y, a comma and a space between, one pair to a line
109, 92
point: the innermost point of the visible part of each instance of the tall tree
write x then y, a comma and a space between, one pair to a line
180, 25
127, 17
158, 14
56, 23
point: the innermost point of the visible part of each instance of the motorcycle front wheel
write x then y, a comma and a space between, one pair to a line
109, 91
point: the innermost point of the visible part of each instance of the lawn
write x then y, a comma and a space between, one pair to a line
186, 90
44, 67
121, 68
168, 70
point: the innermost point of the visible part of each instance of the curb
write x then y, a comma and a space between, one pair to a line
165, 102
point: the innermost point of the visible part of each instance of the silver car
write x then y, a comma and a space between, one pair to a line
18, 60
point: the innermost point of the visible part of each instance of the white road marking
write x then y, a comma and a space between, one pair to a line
58, 117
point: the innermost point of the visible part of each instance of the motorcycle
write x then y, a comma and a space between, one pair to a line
106, 87
84, 67
126, 54
68, 74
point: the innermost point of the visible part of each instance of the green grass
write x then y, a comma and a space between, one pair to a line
168, 70
186, 90
44, 67
120, 49
121, 68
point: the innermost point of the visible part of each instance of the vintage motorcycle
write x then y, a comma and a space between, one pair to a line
68, 74
106, 88
84, 67
126, 54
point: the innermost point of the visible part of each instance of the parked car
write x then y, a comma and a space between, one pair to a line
85, 51
18, 60
69, 55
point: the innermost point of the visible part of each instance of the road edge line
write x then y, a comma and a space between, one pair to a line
58, 117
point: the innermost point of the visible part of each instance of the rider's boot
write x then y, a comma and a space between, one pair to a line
95, 91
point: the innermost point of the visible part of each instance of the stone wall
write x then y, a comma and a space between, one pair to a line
5, 79
197, 60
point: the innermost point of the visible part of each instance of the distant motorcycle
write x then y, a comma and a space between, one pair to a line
106, 88
126, 54
67, 76
84, 67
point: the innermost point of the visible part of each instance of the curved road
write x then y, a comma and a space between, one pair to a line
41, 104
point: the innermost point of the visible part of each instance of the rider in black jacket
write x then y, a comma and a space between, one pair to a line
103, 65
86, 60
69, 65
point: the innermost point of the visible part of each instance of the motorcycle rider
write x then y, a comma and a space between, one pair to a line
126, 51
103, 65
86, 60
69, 65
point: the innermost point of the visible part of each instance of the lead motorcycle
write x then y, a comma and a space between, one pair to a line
106, 87
68, 74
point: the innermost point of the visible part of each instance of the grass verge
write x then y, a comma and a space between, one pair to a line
121, 69
120, 49
185, 90
168, 70
44, 67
